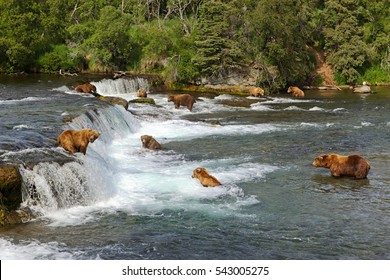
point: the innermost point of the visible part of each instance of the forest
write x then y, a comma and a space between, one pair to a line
185, 41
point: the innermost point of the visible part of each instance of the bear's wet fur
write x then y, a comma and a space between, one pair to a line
77, 140
352, 165
182, 100
149, 142
205, 178
296, 92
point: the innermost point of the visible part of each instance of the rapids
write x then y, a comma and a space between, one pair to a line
120, 201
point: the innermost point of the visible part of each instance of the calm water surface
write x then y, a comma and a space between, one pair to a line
123, 202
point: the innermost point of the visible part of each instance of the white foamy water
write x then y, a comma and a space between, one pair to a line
118, 174
125, 88
122, 201
28, 250
27, 99
282, 100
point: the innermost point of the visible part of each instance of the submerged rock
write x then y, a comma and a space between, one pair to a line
16, 216
143, 100
115, 100
362, 89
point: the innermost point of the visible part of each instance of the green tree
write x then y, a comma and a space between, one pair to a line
216, 53
280, 36
21, 33
344, 41
110, 44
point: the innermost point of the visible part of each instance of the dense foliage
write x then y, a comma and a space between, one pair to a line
186, 40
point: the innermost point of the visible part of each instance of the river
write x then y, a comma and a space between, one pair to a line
120, 201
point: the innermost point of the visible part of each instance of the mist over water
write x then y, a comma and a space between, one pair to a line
121, 201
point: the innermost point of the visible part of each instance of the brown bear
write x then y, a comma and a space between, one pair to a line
256, 91
295, 92
183, 100
86, 88
352, 165
150, 143
77, 140
141, 92
205, 178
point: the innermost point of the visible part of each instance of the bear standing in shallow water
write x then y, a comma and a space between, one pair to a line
296, 92
353, 165
183, 100
77, 140
86, 88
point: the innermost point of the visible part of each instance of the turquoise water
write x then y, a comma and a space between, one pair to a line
123, 202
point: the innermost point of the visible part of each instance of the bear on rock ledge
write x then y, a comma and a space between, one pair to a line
77, 140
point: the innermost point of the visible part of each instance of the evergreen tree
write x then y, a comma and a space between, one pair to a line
280, 36
344, 42
216, 52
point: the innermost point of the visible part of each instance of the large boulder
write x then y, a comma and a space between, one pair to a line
10, 186
362, 89
10, 193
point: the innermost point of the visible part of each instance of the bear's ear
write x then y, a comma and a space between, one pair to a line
198, 170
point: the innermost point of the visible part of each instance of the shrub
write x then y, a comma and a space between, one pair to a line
61, 57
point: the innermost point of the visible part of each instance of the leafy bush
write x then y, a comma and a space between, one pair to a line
61, 57
377, 74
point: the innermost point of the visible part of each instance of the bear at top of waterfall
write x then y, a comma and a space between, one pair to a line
150, 143
86, 88
182, 99
77, 140
205, 178
296, 92
141, 92
352, 165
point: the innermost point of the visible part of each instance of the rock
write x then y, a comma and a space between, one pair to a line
115, 100
10, 187
16, 216
362, 89
10, 193
143, 100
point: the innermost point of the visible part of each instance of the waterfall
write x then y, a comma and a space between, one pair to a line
50, 185
121, 87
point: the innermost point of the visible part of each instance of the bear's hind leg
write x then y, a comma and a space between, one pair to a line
69, 147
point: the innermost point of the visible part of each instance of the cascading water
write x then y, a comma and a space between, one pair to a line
50, 185
122, 201
120, 87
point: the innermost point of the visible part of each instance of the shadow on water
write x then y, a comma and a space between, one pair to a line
328, 183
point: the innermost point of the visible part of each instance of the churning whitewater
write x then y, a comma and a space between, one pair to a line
122, 201
117, 174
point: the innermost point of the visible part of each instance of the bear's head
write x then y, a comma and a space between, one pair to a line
322, 161
290, 89
200, 172
145, 139
92, 88
92, 135
171, 98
